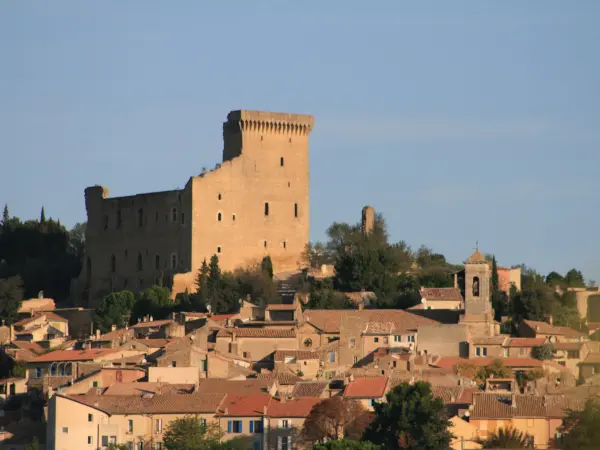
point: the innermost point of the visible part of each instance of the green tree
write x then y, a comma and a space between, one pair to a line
117, 447
574, 278
189, 433
580, 428
411, 418
5, 216
43, 216
335, 418
346, 444
154, 301
495, 369
266, 266
495, 279
258, 284
115, 309
509, 438
35, 444
542, 352
11, 297
323, 296
555, 279
18, 370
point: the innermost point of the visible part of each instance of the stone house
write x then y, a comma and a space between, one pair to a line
284, 420
550, 332
538, 416
442, 298
367, 390
149, 328
244, 415
306, 363
113, 339
521, 347
11, 386
492, 346
45, 327
255, 343
103, 378
314, 389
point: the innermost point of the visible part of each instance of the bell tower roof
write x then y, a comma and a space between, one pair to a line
477, 258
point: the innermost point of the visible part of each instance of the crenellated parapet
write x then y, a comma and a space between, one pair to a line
268, 122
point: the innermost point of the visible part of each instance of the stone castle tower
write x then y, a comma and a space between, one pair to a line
368, 219
479, 314
255, 203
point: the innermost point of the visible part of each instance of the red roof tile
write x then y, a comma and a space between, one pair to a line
526, 342
154, 323
244, 405
366, 387
450, 362
309, 388
546, 328
277, 333
441, 294
74, 355
299, 407
281, 307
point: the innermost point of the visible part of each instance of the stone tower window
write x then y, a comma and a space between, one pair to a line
140, 217
233, 218
139, 264
182, 218
281, 161
173, 260
157, 262
106, 222
295, 209
219, 217
475, 286
157, 216
284, 244
266, 209
119, 219
218, 249
265, 243
173, 215
113, 264
219, 196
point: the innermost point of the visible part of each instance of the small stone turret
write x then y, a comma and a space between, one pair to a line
368, 219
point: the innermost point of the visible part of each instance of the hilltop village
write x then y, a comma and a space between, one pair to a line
205, 318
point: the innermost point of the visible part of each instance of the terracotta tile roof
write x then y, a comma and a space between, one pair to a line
281, 307
441, 294
490, 340
309, 389
222, 317
116, 334
251, 386
450, 362
326, 320
546, 328
276, 333
224, 332
467, 395
280, 355
244, 405
449, 394
143, 387
477, 257
154, 323
153, 404
50, 316
155, 343
74, 355
366, 387
299, 407
525, 342
497, 406
591, 358
284, 378
26, 351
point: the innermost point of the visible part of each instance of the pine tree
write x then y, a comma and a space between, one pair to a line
5, 216
43, 216
266, 266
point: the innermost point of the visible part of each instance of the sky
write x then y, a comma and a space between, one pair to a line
459, 121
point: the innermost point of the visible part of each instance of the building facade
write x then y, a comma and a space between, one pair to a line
255, 203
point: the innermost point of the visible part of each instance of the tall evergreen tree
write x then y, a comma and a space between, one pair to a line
43, 216
266, 266
495, 280
5, 216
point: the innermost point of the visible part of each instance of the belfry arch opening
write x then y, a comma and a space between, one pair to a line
475, 286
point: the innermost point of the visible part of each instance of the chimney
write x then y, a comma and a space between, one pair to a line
282, 399
265, 410
351, 378
151, 319
113, 327
549, 320
98, 333
361, 306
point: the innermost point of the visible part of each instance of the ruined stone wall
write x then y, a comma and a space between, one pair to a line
255, 204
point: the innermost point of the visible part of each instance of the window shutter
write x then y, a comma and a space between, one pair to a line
289, 442
279, 443
252, 426
241, 426
229, 426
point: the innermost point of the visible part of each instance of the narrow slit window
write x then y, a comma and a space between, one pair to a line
218, 249
281, 161
265, 244
157, 262
295, 209
266, 209
174, 215
113, 264
182, 218
233, 217
219, 217
284, 244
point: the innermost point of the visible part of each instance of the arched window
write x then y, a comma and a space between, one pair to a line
113, 264
157, 262
219, 217
174, 261
173, 215
266, 209
475, 286
140, 264
140, 217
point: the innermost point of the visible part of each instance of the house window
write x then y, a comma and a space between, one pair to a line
281, 161
173, 363
204, 365
90, 440
521, 351
573, 354
376, 339
218, 249
284, 423
219, 196
158, 425
284, 244
94, 384
38, 372
356, 360
130, 424
140, 445
284, 443
506, 353
173, 215
90, 417
219, 217
182, 218
140, 262
308, 342
266, 209
234, 426
410, 338
158, 446
397, 338
256, 426
265, 244
233, 217
481, 351
295, 209
140, 218
157, 262
173, 260
113, 264
65, 430
331, 357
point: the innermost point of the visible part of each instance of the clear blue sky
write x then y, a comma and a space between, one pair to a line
459, 121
